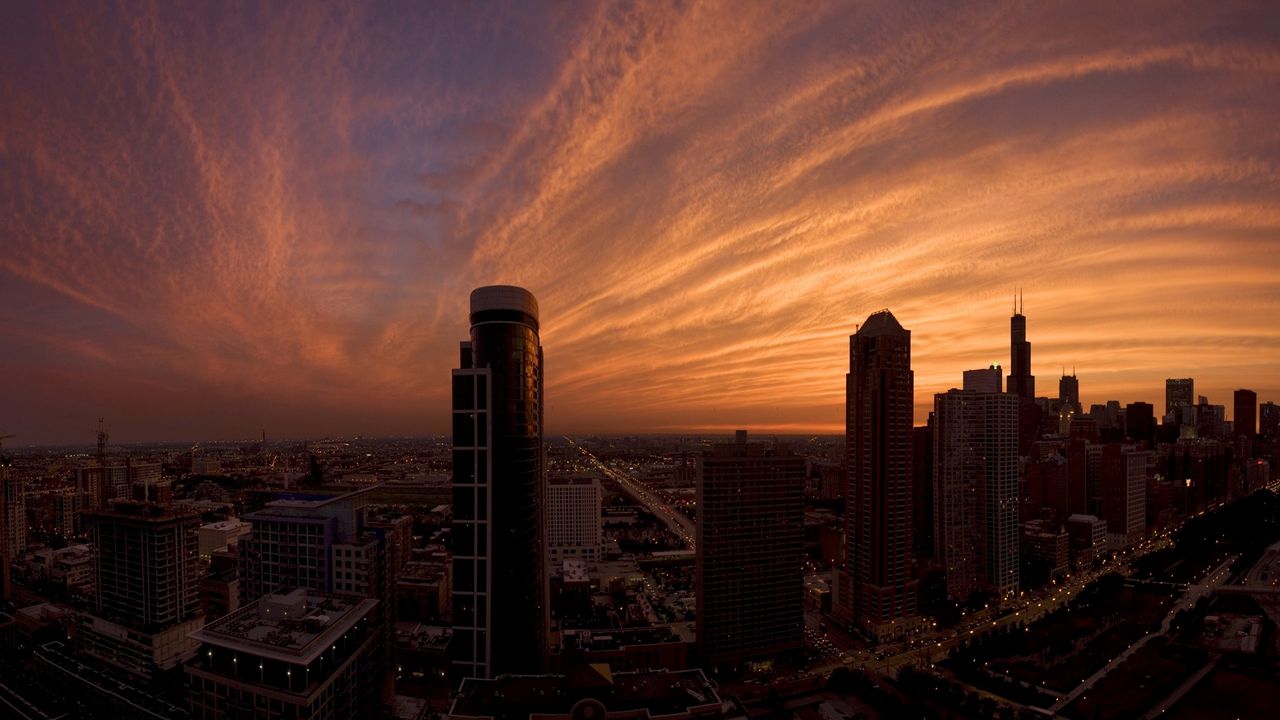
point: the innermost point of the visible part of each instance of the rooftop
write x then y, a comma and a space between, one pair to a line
881, 322
294, 628
521, 696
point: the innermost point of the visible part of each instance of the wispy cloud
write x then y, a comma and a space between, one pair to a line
278, 211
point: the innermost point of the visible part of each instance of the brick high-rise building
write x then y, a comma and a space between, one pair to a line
875, 591
750, 553
573, 520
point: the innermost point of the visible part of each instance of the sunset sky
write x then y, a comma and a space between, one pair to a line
221, 218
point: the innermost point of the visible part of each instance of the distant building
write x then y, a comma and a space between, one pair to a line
1069, 392
1088, 538
1140, 423
588, 692
1269, 420
976, 491
750, 552
1124, 492
876, 590
1021, 382
500, 613
573, 519
221, 535
300, 655
13, 516
1245, 418
1178, 392
985, 380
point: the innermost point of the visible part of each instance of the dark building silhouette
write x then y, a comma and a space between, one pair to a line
499, 607
1069, 391
750, 540
984, 380
1245, 418
1140, 422
1269, 420
1179, 392
876, 588
1021, 382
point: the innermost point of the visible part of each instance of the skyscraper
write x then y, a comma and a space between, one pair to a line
976, 530
876, 587
1269, 420
984, 379
1021, 382
499, 604
1069, 391
1245, 419
750, 586
1178, 392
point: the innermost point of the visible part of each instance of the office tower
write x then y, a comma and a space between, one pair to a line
1178, 392
499, 603
1140, 422
1124, 495
304, 654
317, 542
1021, 382
976, 531
573, 519
1245, 419
1269, 420
986, 380
147, 598
750, 541
876, 588
1069, 391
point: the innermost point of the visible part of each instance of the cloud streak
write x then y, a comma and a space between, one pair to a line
220, 218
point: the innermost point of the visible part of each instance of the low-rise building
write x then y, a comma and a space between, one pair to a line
588, 692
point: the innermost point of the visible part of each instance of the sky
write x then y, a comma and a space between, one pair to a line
223, 218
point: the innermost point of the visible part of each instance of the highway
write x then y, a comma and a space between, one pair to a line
676, 521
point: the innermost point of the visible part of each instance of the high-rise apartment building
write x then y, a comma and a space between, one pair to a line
750, 541
1245, 419
13, 506
499, 599
147, 599
875, 589
147, 563
1178, 393
573, 519
976, 530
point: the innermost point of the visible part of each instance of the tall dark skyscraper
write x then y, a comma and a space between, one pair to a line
1140, 423
1021, 382
876, 591
1245, 419
499, 604
750, 584
1069, 391
1179, 392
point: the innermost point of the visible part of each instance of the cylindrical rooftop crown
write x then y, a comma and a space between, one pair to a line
498, 301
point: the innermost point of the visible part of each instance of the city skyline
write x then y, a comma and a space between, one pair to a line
273, 222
